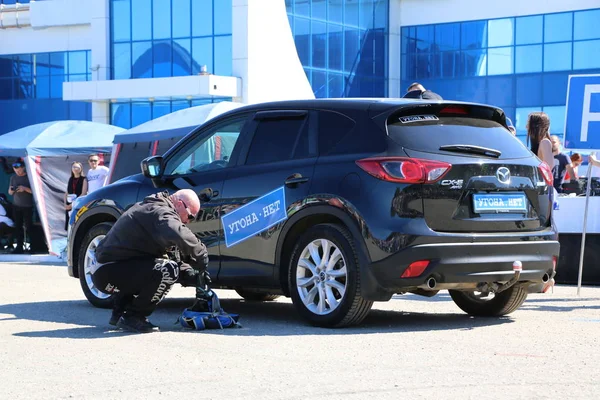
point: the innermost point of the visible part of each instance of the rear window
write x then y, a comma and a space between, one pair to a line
428, 133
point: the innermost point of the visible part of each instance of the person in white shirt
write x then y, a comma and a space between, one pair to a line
97, 174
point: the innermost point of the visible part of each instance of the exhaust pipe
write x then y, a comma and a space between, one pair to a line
431, 283
545, 278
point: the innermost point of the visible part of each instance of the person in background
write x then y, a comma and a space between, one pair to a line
417, 91
538, 128
96, 176
576, 161
562, 164
6, 223
76, 187
22, 204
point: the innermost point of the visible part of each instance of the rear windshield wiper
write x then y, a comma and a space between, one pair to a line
467, 148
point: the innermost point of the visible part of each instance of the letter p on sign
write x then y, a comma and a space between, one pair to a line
582, 122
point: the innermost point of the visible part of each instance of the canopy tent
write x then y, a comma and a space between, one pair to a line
49, 149
158, 136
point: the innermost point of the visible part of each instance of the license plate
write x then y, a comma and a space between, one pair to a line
500, 203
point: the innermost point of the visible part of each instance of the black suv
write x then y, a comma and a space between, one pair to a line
379, 197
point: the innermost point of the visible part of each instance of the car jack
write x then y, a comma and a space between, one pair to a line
493, 287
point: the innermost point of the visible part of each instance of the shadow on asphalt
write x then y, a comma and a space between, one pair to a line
258, 319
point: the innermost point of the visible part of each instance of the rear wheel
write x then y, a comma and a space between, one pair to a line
487, 305
87, 259
324, 278
250, 295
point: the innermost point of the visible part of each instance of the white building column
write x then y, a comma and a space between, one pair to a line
100, 46
394, 50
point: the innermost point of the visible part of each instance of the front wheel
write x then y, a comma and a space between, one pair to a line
487, 305
324, 278
87, 259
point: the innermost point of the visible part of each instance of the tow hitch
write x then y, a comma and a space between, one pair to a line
493, 287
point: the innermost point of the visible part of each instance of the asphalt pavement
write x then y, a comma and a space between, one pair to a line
55, 345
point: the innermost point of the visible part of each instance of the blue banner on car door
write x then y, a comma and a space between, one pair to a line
255, 217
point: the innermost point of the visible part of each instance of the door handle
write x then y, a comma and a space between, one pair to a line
295, 180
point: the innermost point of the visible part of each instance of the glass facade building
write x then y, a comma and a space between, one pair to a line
520, 64
342, 45
31, 88
166, 38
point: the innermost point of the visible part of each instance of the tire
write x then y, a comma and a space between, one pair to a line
250, 295
333, 309
90, 241
503, 303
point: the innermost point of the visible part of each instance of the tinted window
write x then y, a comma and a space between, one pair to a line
429, 136
276, 140
332, 128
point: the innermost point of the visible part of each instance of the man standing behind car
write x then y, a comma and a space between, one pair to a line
20, 189
97, 174
131, 260
417, 91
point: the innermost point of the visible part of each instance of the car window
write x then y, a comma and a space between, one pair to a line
213, 151
332, 129
279, 140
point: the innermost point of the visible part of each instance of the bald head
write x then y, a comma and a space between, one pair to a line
186, 204
415, 86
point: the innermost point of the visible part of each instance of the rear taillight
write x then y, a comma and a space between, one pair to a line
454, 110
404, 170
415, 269
547, 174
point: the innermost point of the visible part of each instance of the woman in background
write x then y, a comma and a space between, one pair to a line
576, 161
76, 187
538, 132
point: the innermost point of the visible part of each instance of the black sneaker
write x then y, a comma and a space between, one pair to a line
134, 323
114, 318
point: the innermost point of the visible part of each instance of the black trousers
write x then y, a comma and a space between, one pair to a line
23, 216
137, 285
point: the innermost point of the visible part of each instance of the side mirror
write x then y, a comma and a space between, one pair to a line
152, 167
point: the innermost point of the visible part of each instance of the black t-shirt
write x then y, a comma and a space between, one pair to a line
559, 170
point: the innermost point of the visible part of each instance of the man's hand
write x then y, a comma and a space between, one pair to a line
593, 160
187, 275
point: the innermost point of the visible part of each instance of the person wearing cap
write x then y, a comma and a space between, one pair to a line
20, 189
131, 264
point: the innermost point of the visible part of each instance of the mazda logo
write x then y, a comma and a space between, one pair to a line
503, 175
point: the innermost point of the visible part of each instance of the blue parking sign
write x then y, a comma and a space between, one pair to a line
255, 217
582, 122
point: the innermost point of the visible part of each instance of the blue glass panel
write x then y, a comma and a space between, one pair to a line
302, 8
223, 56
366, 17
291, 22
141, 53
88, 57
350, 13
140, 113
425, 38
336, 85
161, 11
381, 15
77, 62
557, 56
89, 77
319, 44
521, 116
202, 54
379, 44
423, 66
529, 90
558, 27
585, 54
41, 62
56, 86
319, 84
500, 91
336, 47
141, 19
179, 105
351, 48
302, 39
555, 88
289, 6
6, 66
121, 115
586, 25
160, 108
6, 89
122, 61
308, 73
473, 89
500, 32
181, 19
528, 59
24, 66
162, 62
77, 78
409, 67
202, 17
319, 10
474, 62
557, 119
335, 11
500, 61
223, 17
121, 20
182, 57
473, 35
42, 87
447, 37
530, 30
58, 62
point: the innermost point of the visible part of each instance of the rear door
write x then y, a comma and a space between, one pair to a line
493, 184
279, 159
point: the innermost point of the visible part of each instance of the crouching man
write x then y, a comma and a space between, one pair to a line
131, 260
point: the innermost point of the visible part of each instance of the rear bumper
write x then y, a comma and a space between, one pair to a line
464, 265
